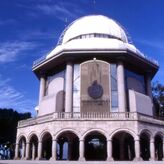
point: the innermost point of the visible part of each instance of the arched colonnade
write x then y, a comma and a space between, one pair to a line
93, 145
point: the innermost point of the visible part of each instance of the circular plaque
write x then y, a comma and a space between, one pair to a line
95, 90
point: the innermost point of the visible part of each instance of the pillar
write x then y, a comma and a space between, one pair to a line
16, 151
69, 87
33, 151
81, 151
137, 150
54, 146
148, 86
121, 87
69, 149
152, 150
27, 150
109, 150
42, 88
23, 150
39, 150
163, 150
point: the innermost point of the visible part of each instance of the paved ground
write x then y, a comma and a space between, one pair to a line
76, 162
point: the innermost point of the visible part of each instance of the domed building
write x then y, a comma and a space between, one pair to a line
95, 99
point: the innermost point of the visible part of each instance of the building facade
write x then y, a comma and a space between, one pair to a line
95, 99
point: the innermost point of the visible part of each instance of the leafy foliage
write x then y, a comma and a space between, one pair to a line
158, 98
8, 124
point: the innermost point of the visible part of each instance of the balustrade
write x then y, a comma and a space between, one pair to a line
89, 116
79, 115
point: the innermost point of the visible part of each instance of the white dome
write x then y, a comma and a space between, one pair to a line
93, 26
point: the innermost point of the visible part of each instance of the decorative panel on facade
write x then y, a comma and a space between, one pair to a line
95, 94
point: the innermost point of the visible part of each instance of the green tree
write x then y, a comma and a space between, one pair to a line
158, 98
8, 125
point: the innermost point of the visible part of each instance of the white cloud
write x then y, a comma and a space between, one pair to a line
7, 22
39, 35
153, 43
60, 10
11, 98
9, 51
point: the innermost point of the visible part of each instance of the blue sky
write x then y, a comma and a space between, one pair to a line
30, 29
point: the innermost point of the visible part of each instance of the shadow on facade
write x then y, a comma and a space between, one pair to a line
67, 146
123, 147
95, 147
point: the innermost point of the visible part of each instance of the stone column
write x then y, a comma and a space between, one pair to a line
163, 150
33, 151
68, 87
54, 146
152, 150
69, 149
109, 150
27, 150
137, 150
42, 88
39, 150
121, 87
148, 86
23, 150
16, 151
81, 151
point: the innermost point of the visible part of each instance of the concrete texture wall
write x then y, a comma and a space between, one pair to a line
54, 99
141, 103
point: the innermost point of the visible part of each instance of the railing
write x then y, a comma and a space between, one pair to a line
95, 115
79, 116
106, 116
39, 61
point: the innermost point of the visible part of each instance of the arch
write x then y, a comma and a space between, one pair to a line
123, 145
67, 145
95, 143
146, 131
31, 135
158, 142
92, 61
20, 137
145, 137
159, 133
46, 139
22, 140
94, 130
33, 146
131, 132
40, 137
64, 130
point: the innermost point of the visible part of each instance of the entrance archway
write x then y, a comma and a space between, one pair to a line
67, 146
145, 146
158, 147
123, 146
95, 146
22, 147
47, 146
33, 147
